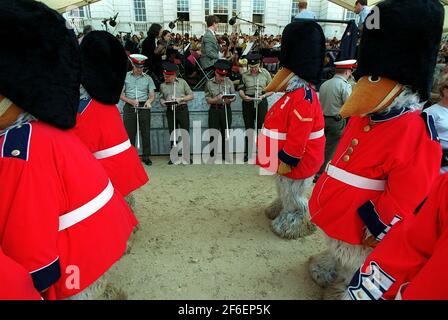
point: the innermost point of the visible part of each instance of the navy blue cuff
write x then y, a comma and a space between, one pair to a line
47, 276
367, 212
289, 160
372, 285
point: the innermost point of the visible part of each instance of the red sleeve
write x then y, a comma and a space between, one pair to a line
299, 127
16, 283
408, 184
402, 254
31, 229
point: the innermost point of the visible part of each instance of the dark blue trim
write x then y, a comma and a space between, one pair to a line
430, 125
16, 142
394, 113
371, 219
289, 160
357, 282
83, 104
46, 277
308, 94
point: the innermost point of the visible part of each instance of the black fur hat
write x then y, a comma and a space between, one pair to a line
104, 63
40, 67
303, 50
405, 46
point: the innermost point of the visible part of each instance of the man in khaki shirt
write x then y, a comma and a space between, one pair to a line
175, 89
219, 106
138, 92
252, 84
332, 95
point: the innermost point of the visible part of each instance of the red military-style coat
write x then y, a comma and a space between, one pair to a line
15, 281
60, 216
382, 170
101, 129
293, 132
412, 261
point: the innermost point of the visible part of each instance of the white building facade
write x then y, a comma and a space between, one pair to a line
137, 15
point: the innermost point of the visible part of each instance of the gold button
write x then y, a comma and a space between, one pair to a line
367, 128
350, 151
15, 153
346, 158
355, 142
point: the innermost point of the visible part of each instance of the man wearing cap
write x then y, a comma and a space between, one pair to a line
175, 89
332, 95
138, 92
61, 218
219, 106
389, 154
252, 84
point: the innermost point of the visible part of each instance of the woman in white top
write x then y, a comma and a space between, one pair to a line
439, 111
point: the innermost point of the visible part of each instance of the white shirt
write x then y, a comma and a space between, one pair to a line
306, 14
440, 114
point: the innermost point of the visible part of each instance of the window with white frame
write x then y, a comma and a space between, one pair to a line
235, 6
259, 6
350, 15
207, 7
140, 10
295, 8
78, 13
183, 6
220, 6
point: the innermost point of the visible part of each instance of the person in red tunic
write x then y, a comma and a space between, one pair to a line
411, 262
389, 154
60, 216
98, 123
15, 281
292, 141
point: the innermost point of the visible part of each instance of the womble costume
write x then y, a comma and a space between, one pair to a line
291, 142
389, 154
16, 282
98, 122
411, 262
60, 216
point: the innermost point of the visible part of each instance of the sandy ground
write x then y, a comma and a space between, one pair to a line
203, 235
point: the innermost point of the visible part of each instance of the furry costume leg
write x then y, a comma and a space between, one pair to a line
323, 268
130, 200
293, 221
274, 209
100, 290
349, 259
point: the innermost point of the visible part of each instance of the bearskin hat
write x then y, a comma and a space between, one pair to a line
404, 48
303, 50
104, 66
40, 64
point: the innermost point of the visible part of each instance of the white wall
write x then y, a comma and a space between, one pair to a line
277, 15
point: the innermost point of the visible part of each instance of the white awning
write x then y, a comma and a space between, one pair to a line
63, 5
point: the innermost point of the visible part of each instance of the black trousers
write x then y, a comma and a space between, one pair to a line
130, 123
249, 115
182, 120
217, 120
